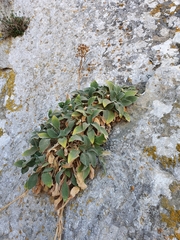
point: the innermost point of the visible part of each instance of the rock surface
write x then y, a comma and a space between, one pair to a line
131, 42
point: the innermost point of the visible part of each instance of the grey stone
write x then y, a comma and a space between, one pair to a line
133, 42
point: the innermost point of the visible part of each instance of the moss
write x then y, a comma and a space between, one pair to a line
164, 8
81, 212
174, 187
165, 161
172, 218
8, 90
151, 152
156, 9
178, 147
176, 105
1, 132
89, 200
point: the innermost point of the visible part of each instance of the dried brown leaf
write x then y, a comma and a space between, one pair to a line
51, 158
74, 191
80, 181
96, 119
56, 191
83, 119
56, 164
36, 190
68, 165
65, 152
91, 174
57, 202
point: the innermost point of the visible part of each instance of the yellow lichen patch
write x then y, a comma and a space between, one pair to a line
172, 218
151, 152
8, 90
174, 187
157, 9
178, 147
177, 29
89, 200
167, 161
1, 132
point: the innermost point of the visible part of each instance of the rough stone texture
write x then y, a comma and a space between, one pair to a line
131, 42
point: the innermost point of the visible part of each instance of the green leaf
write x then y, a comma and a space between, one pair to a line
40, 159
68, 173
63, 142
84, 158
110, 86
30, 151
120, 95
108, 116
47, 179
19, 163
49, 169
96, 112
91, 100
88, 158
52, 133
97, 150
24, 169
75, 138
55, 122
91, 135
131, 93
99, 140
120, 109
81, 110
106, 102
43, 144
65, 191
127, 117
67, 130
132, 98
76, 114
31, 163
87, 142
32, 181
100, 129
81, 128
86, 172
94, 84
43, 135
73, 180
125, 102
73, 154
58, 175
45, 164
60, 153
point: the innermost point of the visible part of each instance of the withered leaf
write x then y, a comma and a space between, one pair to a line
51, 158
56, 191
74, 191
91, 174
57, 201
80, 180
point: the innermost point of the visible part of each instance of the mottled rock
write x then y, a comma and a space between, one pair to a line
132, 42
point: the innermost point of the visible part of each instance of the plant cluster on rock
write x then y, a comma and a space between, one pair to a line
13, 25
68, 147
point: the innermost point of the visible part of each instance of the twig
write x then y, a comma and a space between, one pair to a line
16, 199
79, 72
59, 228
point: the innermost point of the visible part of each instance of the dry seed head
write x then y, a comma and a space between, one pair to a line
82, 50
